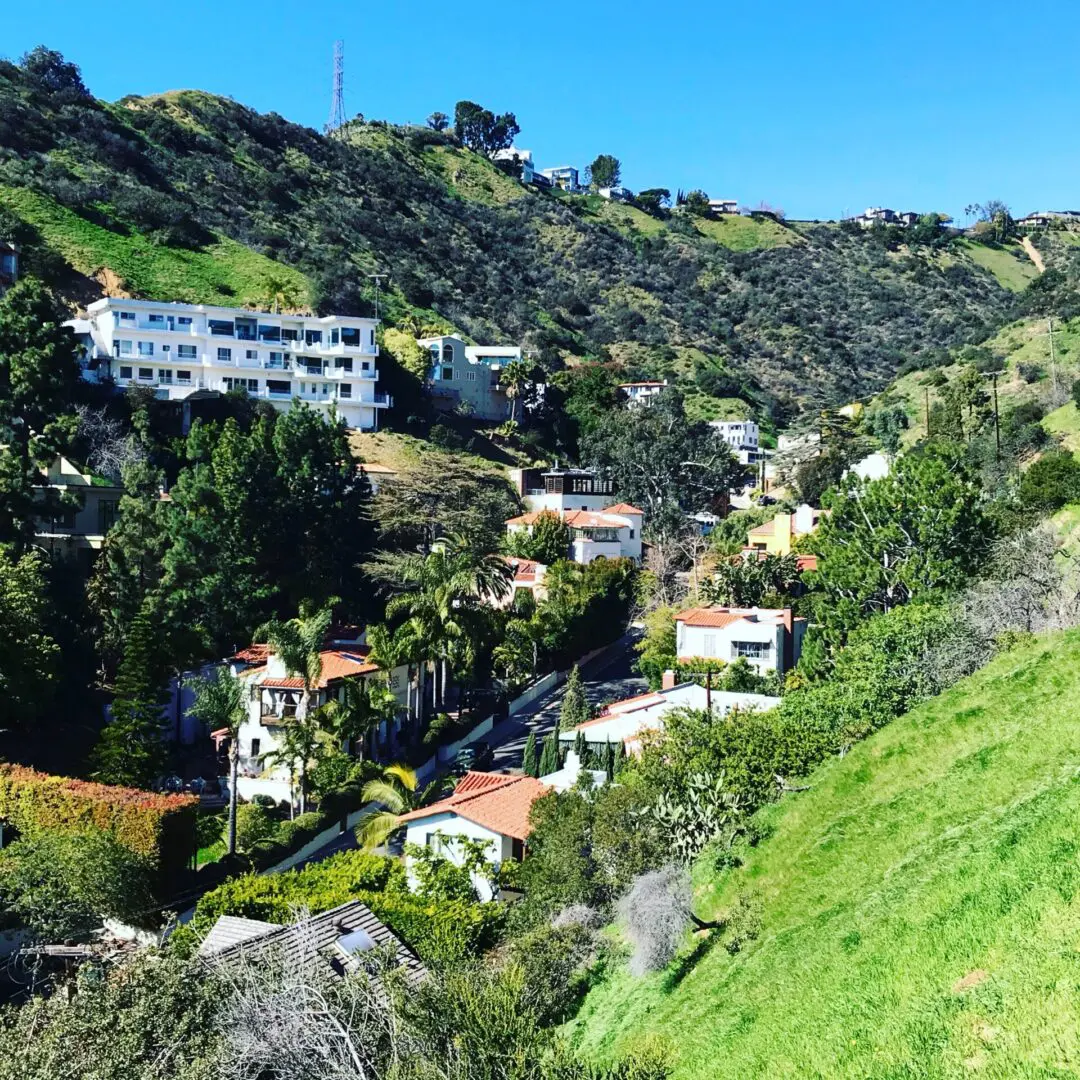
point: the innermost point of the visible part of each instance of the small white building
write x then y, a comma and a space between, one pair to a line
563, 489
181, 350
614, 533
624, 721
642, 393
872, 467
564, 177
616, 193
743, 437
487, 808
524, 158
471, 375
769, 639
723, 206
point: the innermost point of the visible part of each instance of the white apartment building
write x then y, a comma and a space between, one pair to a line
182, 349
769, 639
743, 438
470, 374
523, 157
563, 176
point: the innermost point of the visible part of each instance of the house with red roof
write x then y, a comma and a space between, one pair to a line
768, 639
611, 533
491, 809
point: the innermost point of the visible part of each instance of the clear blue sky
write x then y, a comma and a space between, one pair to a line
815, 107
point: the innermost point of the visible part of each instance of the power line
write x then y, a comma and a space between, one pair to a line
337, 94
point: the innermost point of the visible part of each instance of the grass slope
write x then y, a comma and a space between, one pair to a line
224, 272
918, 908
1009, 263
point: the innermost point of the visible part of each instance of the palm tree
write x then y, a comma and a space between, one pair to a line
361, 707
396, 793
298, 743
299, 643
396, 648
219, 703
513, 380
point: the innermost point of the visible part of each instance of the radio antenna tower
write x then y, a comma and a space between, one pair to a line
337, 98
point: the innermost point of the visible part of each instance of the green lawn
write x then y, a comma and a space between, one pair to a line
917, 910
1065, 422
1009, 264
224, 272
745, 233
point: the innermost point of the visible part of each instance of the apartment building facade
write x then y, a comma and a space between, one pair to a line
470, 375
328, 362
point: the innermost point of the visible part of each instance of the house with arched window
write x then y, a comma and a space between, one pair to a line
470, 376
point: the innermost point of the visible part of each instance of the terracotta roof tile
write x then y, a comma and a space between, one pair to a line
623, 508
707, 617
494, 800
336, 664
768, 529
581, 519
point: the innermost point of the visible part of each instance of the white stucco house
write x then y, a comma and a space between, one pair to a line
743, 437
522, 157
564, 177
643, 393
182, 350
613, 533
769, 639
488, 808
470, 375
625, 721
562, 489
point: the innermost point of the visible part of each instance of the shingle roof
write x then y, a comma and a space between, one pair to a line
310, 941
230, 930
495, 800
763, 530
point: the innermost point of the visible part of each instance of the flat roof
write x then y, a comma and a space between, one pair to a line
109, 302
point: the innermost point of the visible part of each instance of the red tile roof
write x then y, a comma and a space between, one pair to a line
525, 570
581, 519
336, 664
496, 801
623, 508
253, 654
721, 616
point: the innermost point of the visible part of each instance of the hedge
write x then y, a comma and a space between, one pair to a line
161, 827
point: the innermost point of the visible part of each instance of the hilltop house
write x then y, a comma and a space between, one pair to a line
564, 177
642, 393
717, 207
184, 351
77, 532
624, 721
777, 537
616, 193
882, 215
562, 489
470, 375
742, 436
769, 639
524, 158
1042, 219
491, 809
9, 264
613, 533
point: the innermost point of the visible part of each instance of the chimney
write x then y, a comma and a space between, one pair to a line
787, 617
668, 682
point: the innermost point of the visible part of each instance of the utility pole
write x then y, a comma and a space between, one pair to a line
926, 392
377, 278
997, 425
1050, 332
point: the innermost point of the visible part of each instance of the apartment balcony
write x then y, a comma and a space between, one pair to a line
380, 400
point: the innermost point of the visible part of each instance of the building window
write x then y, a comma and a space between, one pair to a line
709, 645
156, 319
365, 366
183, 320
65, 519
107, 512
344, 363
278, 386
250, 386
146, 374
345, 391
220, 328
277, 359
126, 316
350, 336
447, 374
312, 337
146, 348
125, 372
183, 376
224, 356
164, 375
256, 747
186, 352
251, 354
448, 354
269, 333
335, 336
631, 534
471, 376
751, 650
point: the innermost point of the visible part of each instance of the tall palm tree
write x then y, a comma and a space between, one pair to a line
396, 793
396, 648
220, 703
361, 707
513, 379
299, 742
299, 643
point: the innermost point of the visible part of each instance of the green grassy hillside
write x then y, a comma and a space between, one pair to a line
1009, 263
917, 911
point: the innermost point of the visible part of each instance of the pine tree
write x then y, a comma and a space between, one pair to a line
549, 755
575, 708
530, 764
131, 751
581, 748
609, 760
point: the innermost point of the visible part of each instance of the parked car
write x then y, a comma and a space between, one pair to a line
477, 756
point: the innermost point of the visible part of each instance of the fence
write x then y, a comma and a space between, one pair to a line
536, 690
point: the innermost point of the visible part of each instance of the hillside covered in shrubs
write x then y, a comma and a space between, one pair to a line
192, 197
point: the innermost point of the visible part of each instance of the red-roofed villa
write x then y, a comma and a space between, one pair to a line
769, 639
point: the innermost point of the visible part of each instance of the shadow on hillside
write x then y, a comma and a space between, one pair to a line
685, 964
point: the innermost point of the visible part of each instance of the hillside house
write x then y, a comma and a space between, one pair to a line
516, 156
625, 721
642, 393
564, 177
614, 533
743, 437
562, 489
77, 532
883, 215
616, 193
769, 639
470, 375
486, 808
183, 351
1043, 219
778, 537
719, 207
9, 264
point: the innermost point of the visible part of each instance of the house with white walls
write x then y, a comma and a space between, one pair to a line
470, 377
491, 809
643, 393
625, 721
768, 639
613, 533
564, 177
184, 350
76, 532
562, 489
516, 156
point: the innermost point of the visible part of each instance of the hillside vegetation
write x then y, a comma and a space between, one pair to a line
914, 914
189, 196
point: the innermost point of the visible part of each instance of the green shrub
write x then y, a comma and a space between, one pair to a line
1051, 482
253, 824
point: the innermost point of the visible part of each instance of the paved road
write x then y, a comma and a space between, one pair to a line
608, 677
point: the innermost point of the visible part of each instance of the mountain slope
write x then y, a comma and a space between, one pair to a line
784, 316
917, 912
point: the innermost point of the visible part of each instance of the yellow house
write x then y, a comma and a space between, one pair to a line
777, 537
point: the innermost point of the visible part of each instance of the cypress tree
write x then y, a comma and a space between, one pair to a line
620, 756
549, 755
609, 760
580, 748
530, 764
575, 708
131, 750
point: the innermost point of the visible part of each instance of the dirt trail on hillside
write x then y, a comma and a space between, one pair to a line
1033, 253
